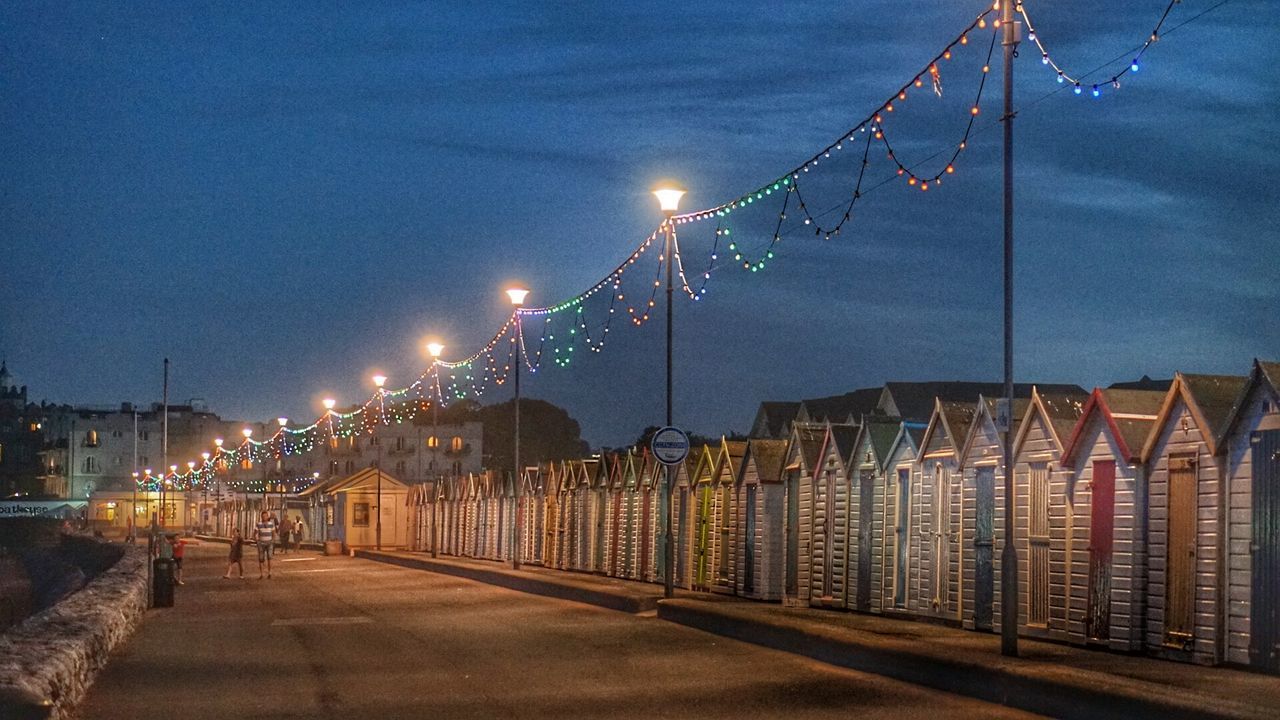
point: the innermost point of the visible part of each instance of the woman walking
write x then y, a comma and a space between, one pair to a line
235, 556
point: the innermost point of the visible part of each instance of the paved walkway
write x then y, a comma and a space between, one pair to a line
1048, 678
337, 637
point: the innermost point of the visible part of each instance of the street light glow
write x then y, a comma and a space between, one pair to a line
435, 349
329, 403
283, 421
247, 432
517, 295
379, 380
218, 442
668, 195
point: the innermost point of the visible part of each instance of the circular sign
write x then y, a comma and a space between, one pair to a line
669, 445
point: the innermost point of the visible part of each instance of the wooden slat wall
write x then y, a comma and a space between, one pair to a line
1240, 473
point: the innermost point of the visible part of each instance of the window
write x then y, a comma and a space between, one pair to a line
115, 433
351, 466
143, 461
456, 443
333, 442
91, 438
360, 514
400, 443
246, 463
333, 468
433, 441
374, 441
400, 468
91, 465
144, 436
328, 514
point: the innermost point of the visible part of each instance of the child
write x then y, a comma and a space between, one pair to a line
235, 556
179, 545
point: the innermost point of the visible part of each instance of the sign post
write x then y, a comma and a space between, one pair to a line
670, 446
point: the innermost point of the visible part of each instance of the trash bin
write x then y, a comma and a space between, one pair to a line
162, 582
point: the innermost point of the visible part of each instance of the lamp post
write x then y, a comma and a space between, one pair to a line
133, 519
217, 458
191, 473
669, 201
167, 497
1009, 555
517, 296
282, 422
204, 506
379, 381
435, 349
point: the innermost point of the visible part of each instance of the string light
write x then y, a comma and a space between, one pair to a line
1064, 77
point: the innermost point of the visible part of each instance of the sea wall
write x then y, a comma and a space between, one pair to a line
48, 661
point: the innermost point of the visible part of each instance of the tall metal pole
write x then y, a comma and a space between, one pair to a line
669, 552
435, 448
377, 539
515, 527
133, 519
165, 449
1009, 556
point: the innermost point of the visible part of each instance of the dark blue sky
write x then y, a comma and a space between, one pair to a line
283, 199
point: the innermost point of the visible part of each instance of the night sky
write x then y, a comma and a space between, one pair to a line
284, 199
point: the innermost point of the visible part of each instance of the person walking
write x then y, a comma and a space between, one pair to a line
179, 549
235, 557
264, 534
286, 534
299, 530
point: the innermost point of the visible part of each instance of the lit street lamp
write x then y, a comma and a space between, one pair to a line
517, 295
435, 349
669, 201
379, 381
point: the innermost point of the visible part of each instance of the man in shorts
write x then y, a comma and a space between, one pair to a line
264, 533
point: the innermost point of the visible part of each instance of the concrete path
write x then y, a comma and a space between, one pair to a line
1048, 678
336, 637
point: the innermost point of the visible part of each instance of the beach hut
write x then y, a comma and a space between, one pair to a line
1251, 445
761, 503
356, 510
902, 473
1187, 522
1040, 512
653, 503
704, 530
600, 478
1106, 497
723, 515
828, 519
801, 465
630, 514
866, 513
939, 496
614, 521
530, 507
982, 492
685, 518
551, 514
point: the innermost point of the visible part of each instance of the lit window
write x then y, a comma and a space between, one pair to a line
91, 438
246, 463
433, 441
456, 444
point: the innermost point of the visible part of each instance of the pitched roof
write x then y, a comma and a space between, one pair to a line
807, 441
881, 431
730, 458
844, 437
914, 400
1130, 415
769, 456
840, 408
1263, 374
1209, 399
986, 407
773, 418
1145, 383
1216, 395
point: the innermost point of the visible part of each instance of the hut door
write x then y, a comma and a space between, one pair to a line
613, 543
601, 509
1101, 521
749, 543
866, 506
704, 536
1038, 543
793, 533
828, 534
682, 533
1264, 641
983, 547
941, 535
900, 557
1179, 587
645, 536
722, 544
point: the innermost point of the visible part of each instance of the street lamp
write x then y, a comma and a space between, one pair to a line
204, 505
379, 381
133, 519
517, 295
435, 349
668, 196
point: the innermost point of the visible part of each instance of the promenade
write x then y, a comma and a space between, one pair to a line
337, 637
